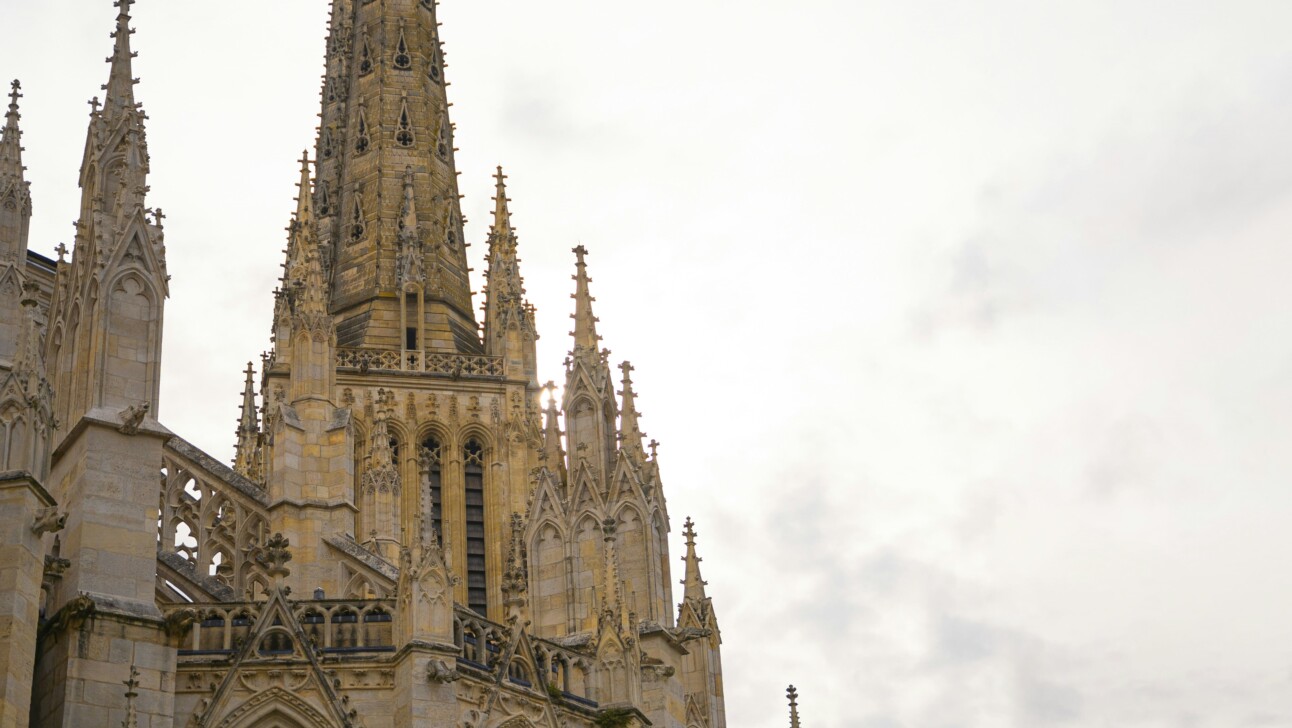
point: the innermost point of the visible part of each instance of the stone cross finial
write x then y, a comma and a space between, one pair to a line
94, 105
793, 694
62, 251
14, 88
688, 531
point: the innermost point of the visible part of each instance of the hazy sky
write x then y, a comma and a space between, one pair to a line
964, 325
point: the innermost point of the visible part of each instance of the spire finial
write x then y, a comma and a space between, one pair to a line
793, 694
15, 93
121, 82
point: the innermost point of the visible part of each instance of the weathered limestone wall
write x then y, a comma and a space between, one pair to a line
22, 566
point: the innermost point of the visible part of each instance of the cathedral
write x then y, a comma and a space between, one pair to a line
414, 531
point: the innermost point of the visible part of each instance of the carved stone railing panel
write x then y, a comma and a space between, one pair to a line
333, 626
448, 365
484, 644
212, 518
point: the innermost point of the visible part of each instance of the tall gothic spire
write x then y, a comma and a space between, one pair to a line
694, 585
384, 132
509, 318
793, 694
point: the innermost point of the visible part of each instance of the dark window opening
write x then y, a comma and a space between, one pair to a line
477, 589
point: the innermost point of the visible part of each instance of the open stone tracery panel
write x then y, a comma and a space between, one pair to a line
211, 523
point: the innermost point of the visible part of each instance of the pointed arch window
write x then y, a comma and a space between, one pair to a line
365, 57
403, 60
362, 141
432, 477
325, 199
473, 481
404, 134
356, 222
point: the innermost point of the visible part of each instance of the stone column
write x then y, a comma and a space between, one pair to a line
26, 511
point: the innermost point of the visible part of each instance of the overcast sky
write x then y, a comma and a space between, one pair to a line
964, 326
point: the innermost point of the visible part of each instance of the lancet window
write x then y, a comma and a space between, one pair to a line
403, 60
432, 479
473, 476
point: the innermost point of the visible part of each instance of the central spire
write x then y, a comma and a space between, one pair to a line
386, 188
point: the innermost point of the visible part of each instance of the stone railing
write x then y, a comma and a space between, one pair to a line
485, 644
448, 365
331, 625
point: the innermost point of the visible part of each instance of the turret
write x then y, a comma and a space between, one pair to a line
104, 350
106, 320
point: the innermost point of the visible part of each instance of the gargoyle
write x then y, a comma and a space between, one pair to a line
438, 672
132, 417
48, 520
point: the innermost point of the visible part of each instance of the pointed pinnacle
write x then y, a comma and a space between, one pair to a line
793, 694
630, 426
694, 585
120, 86
248, 421
501, 214
304, 203
11, 140
585, 324
11, 118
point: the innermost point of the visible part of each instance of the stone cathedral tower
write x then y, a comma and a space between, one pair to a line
414, 532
